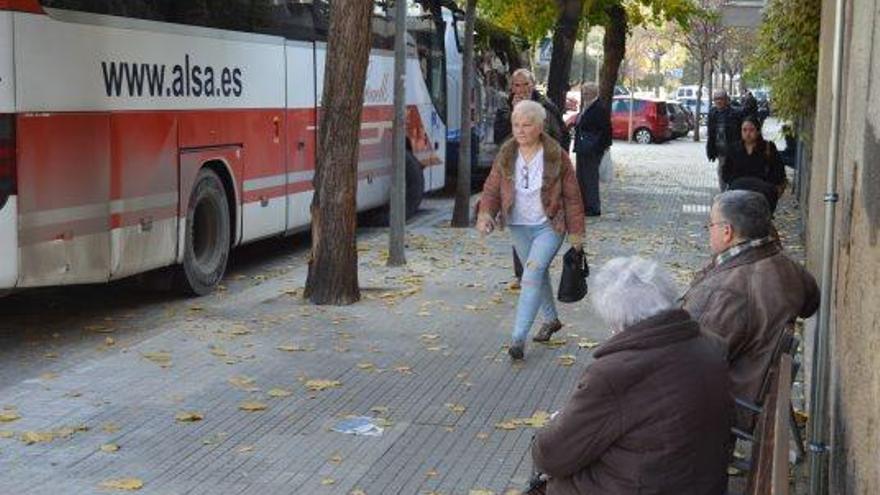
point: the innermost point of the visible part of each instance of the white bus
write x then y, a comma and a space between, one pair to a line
142, 134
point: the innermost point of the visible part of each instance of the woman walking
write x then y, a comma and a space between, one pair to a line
755, 159
532, 189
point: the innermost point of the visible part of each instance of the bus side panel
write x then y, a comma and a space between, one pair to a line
264, 206
425, 129
374, 169
9, 211
301, 132
64, 198
376, 135
143, 207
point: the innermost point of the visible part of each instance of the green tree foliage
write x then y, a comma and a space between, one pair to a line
787, 56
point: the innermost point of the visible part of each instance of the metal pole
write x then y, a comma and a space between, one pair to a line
584, 63
632, 85
397, 217
821, 352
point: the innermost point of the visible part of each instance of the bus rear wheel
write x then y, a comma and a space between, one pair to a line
208, 233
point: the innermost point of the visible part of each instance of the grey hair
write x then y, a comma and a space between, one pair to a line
629, 290
531, 110
525, 73
590, 86
719, 93
747, 212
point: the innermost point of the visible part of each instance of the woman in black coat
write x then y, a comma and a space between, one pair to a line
592, 138
755, 159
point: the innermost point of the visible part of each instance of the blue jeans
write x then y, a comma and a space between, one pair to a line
536, 245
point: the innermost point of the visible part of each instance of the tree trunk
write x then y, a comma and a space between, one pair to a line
397, 217
461, 211
564, 37
614, 46
332, 277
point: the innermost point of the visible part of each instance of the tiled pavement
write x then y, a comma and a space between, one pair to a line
425, 340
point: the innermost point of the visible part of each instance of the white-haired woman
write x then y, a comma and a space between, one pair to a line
652, 413
532, 189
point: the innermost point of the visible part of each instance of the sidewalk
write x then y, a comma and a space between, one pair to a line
423, 351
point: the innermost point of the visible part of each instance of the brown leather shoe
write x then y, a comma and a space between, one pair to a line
547, 330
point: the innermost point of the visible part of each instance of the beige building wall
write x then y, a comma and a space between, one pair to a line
855, 313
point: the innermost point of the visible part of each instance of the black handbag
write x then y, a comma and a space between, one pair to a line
573, 284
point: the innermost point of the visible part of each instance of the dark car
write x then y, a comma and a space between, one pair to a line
650, 120
680, 122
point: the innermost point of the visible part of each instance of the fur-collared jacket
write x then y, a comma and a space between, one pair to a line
560, 194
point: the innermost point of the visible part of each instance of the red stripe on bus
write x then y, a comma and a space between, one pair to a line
269, 193
63, 233
130, 219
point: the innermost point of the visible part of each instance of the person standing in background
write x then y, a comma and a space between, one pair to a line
592, 140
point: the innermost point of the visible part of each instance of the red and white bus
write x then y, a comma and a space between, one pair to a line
141, 134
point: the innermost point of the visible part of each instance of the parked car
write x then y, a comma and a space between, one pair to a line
650, 119
679, 122
691, 105
686, 92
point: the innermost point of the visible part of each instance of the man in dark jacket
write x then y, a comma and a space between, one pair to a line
749, 105
522, 87
750, 291
651, 415
723, 132
592, 139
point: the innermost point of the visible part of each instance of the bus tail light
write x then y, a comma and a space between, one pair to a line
8, 183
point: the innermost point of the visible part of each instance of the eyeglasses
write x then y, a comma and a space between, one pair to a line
524, 181
709, 225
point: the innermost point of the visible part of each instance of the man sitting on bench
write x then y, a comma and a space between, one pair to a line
750, 291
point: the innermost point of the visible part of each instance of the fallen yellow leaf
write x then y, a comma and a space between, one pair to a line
587, 344
456, 408
244, 382
432, 473
280, 392
566, 360
319, 385
162, 358
506, 425
129, 484
109, 447
99, 328
292, 348
252, 406
189, 416
328, 481
335, 459
8, 416
366, 366
31, 437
